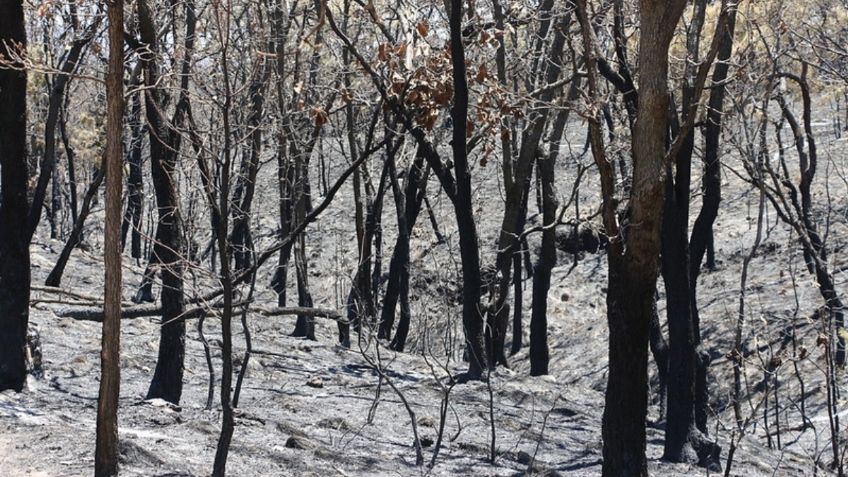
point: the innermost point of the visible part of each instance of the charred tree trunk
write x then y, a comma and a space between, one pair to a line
246, 185
542, 275
135, 182
675, 270
546, 170
305, 325
659, 349
701, 242
165, 144
54, 279
518, 272
48, 161
469, 247
14, 244
408, 204
227, 282
285, 178
520, 180
633, 255
362, 300
71, 156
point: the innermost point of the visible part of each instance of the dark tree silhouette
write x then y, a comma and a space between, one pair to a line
14, 245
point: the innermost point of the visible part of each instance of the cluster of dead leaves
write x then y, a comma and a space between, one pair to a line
427, 89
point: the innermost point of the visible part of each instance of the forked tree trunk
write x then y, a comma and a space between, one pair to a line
546, 168
701, 242
408, 203
675, 271
634, 257
167, 382
546, 72
469, 247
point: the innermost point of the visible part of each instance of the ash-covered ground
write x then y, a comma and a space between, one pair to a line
314, 408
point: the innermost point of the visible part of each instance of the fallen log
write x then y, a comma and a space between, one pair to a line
93, 300
141, 311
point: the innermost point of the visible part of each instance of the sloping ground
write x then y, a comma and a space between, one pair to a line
305, 406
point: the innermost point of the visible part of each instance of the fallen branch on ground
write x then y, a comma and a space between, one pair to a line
96, 313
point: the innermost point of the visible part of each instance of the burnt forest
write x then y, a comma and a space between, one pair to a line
423, 238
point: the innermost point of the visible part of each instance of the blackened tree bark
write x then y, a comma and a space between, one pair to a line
14, 243
675, 271
106, 448
542, 275
285, 171
547, 72
54, 279
165, 141
546, 168
469, 248
305, 325
56, 99
701, 241
135, 182
222, 24
408, 204
365, 289
813, 244
457, 186
70, 153
633, 252
361, 302
659, 349
246, 184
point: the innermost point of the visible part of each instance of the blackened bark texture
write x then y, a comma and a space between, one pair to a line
56, 99
135, 182
408, 203
542, 276
546, 169
165, 141
469, 247
106, 447
227, 282
54, 279
14, 243
240, 238
680, 417
54, 213
633, 253
701, 241
285, 178
397, 286
71, 155
368, 212
531, 137
305, 325
813, 246
507, 161
360, 294
659, 349
371, 239
374, 220
633, 273
518, 274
